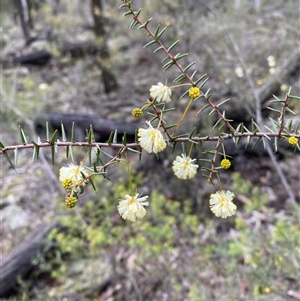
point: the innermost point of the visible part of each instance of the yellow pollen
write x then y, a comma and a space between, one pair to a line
131, 201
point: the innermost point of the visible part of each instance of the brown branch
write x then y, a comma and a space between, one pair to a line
136, 145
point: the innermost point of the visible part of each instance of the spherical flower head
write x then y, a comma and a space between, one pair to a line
71, 175
194, 92
293, 140
225, 163
151, 139
137, 113
132, 207
67, 184
221, 203
71, 201
160, 92
184, 167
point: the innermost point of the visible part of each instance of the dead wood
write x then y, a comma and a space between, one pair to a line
102, 127
18, 262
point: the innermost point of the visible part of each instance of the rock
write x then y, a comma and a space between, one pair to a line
15, 217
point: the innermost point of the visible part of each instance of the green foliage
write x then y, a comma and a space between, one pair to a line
179, 251
171, 234
253, 197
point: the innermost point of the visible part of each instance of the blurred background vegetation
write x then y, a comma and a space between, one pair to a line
179, 251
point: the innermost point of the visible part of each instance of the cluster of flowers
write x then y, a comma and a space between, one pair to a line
72, 178
151, 139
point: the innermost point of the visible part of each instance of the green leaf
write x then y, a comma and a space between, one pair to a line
276, 144
1, 145
63, 133
244, 128
67, 151
269, 129
289, 124
207, 95
192, 133
90, 155
222, 102
124, 139
248, 141
93, 185
212, 111
115, 138
158, 35
47, 131
157, 30
110, 138
297, 127
199, 79
216, 124
173, 45
36, 151
73, 138
289, 110
168, 110
9, 161
71, 153
179, 56
145, 24
16, 156
294, 96
254, 126
275, 110
168, 65
255, 143
166, 58
150, 43
275, 98
180, 136
106, 154
53, 138
133, 24
52, 154
127, 13
138, 12
179, 78
123, 6
189, 66
133, 150
203, 83
203, 108
174, 146
168, 127
158, 49
89, 136
22, 135
193, 74
185, 93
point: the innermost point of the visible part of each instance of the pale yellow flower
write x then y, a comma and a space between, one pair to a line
151, 139
71, 175
160, 92
132, 207
221, 203
184, 167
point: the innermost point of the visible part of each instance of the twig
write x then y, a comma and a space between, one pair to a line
260, 123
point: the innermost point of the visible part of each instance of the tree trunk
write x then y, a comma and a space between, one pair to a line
18, 262
24, 18
103, 61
